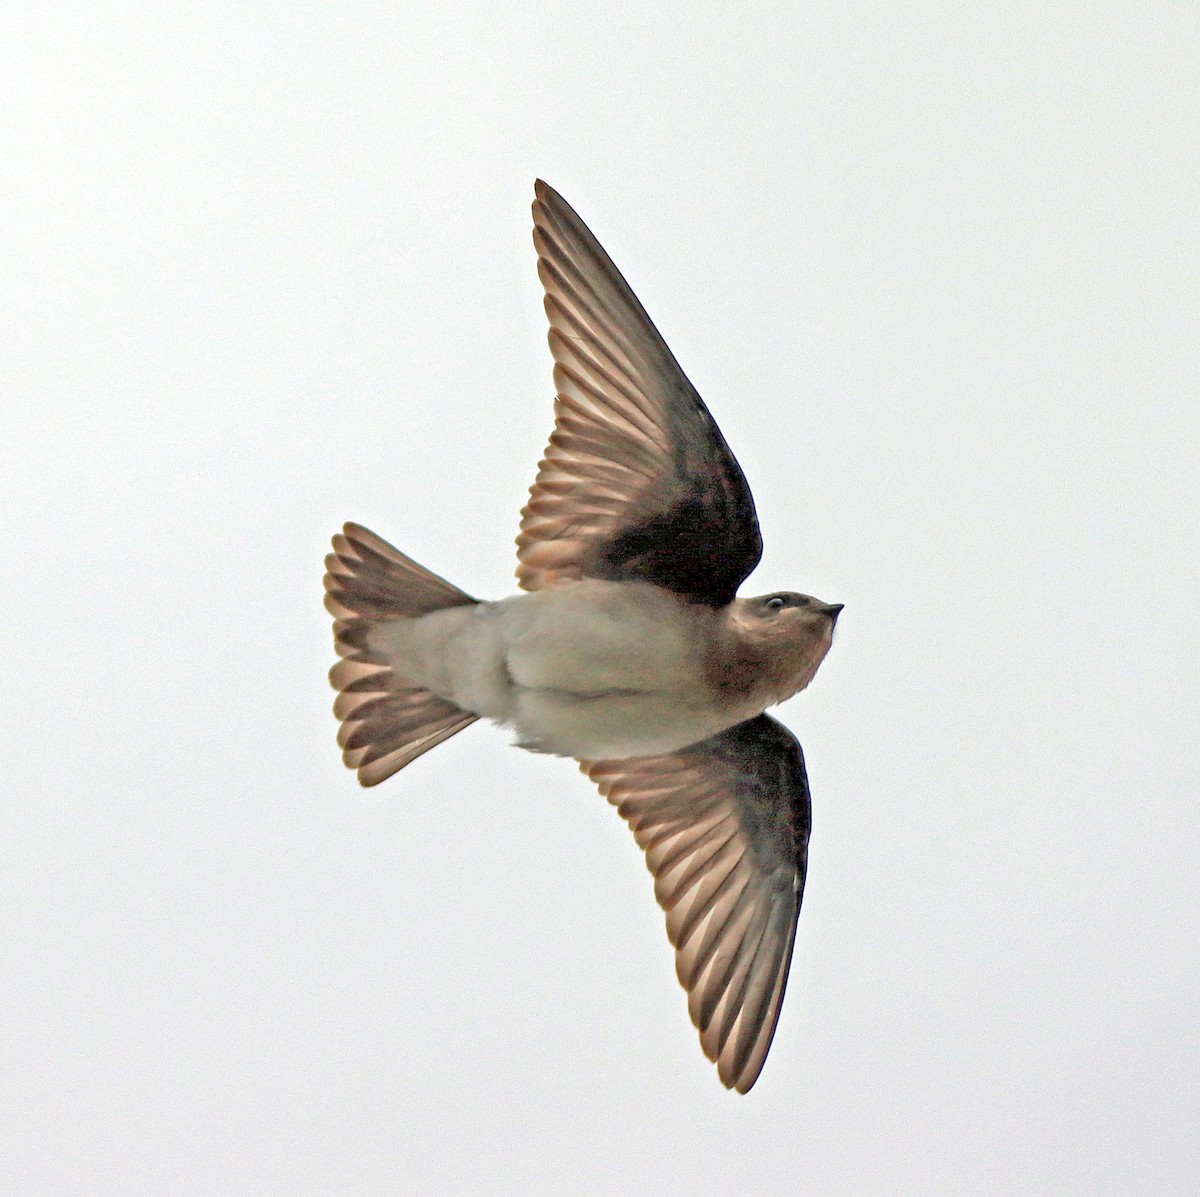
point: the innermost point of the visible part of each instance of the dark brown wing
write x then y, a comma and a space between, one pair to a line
724, 825
637, 484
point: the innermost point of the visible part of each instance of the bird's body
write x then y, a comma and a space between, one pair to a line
604, 670
631, 650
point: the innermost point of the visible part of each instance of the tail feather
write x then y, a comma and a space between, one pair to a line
367, 578
386, 722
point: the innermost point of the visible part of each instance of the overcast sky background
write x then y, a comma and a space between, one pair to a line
267, 267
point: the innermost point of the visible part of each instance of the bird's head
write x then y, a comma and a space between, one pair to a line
787, 610
793, 630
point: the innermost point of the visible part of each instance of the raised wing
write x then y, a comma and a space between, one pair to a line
725, 826
637, 483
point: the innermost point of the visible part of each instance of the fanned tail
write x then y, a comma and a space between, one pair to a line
386, 722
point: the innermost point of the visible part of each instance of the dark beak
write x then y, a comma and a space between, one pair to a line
832, 610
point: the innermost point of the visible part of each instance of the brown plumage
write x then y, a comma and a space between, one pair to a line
631, 651
385, 722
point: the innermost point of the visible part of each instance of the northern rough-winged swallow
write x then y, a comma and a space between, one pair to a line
632, 652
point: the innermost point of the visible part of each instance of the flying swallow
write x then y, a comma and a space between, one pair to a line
630, 650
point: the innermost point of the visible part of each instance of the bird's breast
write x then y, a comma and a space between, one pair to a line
593, 637
606, 670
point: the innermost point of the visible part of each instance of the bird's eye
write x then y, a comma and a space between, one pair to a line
776, 603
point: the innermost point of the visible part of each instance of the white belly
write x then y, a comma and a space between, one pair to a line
589, 669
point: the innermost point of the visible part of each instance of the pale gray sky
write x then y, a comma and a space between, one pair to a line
267, 267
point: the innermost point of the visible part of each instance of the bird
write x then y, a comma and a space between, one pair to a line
628, 648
